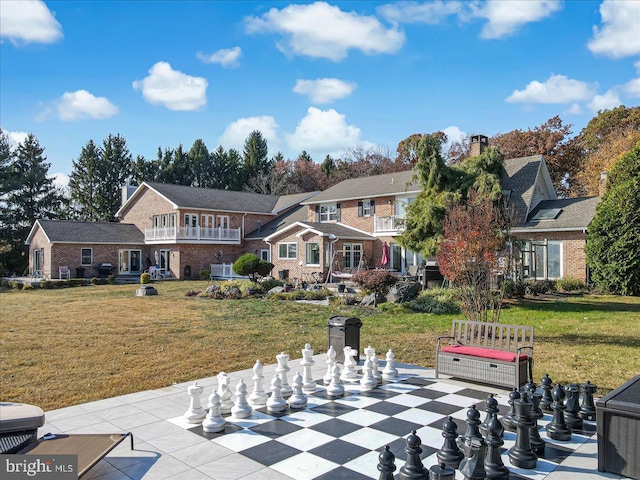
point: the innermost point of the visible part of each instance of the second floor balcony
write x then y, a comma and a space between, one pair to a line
192, 234
389, 223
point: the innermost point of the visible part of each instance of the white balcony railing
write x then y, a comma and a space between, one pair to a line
192, 233
389, 223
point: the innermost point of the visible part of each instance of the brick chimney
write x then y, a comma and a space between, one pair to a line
478, 144
602, 184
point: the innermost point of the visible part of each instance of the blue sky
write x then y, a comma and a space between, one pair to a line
316, 76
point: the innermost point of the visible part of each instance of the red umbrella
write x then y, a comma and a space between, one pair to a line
385, 254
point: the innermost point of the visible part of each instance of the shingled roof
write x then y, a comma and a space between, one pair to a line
69, 231
369, 187
572, 214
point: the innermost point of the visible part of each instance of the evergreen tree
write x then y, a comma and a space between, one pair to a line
613, 238
224, 168
7, 179
34, 197
143, 170
84, 182
181, 167
304, 156
200, 165
115, 169
328, 166
255, 159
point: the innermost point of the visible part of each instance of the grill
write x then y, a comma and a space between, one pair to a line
105, 269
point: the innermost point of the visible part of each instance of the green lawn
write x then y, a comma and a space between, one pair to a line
63, 347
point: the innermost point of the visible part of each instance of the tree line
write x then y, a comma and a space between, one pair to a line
101, 169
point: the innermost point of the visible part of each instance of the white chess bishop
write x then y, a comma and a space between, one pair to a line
331, 361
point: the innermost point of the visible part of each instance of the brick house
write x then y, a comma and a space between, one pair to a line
312, 236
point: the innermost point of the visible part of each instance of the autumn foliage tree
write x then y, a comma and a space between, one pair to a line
473, 249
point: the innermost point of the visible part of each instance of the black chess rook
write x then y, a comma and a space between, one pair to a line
587, 407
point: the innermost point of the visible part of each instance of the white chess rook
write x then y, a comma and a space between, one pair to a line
195, 413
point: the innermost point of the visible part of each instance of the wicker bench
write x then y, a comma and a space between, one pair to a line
486, 352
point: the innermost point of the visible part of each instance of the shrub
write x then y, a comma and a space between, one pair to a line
27, 286
513, 289
375, 281
247, 265
571, 285
47, 284
111, 279
436, 300
269, 282
94, 281
14, 284
205, 274
539, 287
145, 278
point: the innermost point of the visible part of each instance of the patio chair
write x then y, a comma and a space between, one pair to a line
64, 272
412, 273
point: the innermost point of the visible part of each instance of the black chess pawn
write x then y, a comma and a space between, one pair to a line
521, 455
571, 417
442, 472
450, 454
536, 398
413, 468
557, 429
493, 466
547, 399
587, 407
473, 426
492, 411
509, 421
386, 464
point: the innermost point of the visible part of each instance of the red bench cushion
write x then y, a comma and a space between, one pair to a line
483, 352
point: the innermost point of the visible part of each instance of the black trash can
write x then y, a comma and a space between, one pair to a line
344, 331
80, 272
283, 275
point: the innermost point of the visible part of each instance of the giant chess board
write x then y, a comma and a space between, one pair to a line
341, 438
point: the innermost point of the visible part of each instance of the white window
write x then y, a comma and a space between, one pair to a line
86, 256
312, 254
329, 213
543, 260
351, 255
288, 251
367, 208
402, 204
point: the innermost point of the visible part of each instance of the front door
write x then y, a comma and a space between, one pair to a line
38, 259
129, 261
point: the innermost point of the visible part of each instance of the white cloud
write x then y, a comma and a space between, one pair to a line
619, 35
558, 89
323, 132
605, 102
28, 21
60, 180
454, 134
325, 31
505, 17
413, 12
226, 57
237, 132
324, 90
172, 88
632, 87
81, 104
637, 65
575, 109
15, 138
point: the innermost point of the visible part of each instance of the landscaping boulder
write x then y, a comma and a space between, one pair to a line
276, 290
145, 291
372, 300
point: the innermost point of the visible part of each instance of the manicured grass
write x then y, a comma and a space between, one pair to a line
64, 347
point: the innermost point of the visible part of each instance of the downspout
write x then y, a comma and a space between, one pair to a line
242, 235
331, 243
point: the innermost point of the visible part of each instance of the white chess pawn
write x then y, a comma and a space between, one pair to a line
195, 413
349, 373
308, 383
298, 399
224, 391
368, 381
331, 361
376, 372
241, 409
282, 369
213, 422
258, 396
335, 388
276, 403
390, 372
